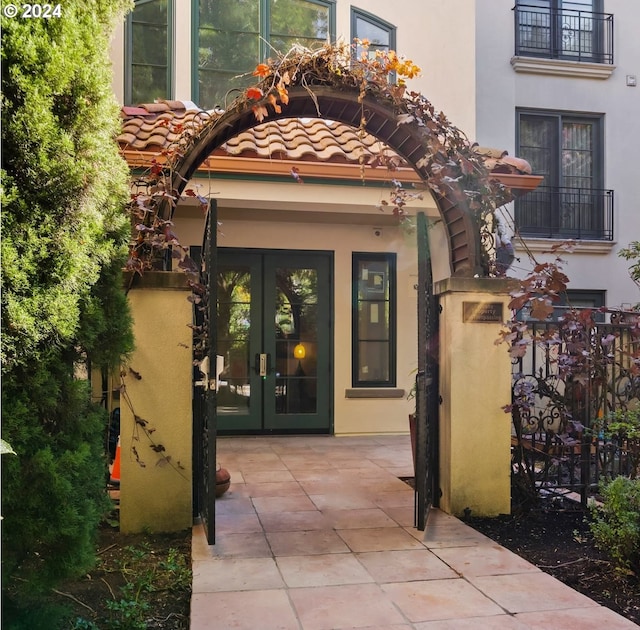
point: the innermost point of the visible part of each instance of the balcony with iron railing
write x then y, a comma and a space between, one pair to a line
570, 213
573, 32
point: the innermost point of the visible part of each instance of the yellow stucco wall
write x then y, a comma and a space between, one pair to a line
475, 382
157, 497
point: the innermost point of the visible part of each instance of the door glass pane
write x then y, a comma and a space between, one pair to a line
577, 154
234, 320
296, 331
534, 27
578, 206
576, 29
538, 145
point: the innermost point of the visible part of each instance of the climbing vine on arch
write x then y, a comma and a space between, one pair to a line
453, 169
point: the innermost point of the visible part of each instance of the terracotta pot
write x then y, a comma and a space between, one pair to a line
223, 481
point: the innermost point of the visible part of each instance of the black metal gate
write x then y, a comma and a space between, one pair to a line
205, 379
426, 463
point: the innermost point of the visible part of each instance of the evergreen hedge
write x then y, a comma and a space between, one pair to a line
64, 241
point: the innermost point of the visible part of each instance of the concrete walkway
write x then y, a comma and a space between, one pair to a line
316, 533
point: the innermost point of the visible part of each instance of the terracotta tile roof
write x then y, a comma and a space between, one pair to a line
499, 161
150, 128
154, 127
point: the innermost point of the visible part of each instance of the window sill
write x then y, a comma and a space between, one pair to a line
374, 392
562, 67
580, 246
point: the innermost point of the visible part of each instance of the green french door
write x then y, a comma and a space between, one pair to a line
274, 342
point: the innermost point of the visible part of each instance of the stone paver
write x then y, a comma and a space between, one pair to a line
316, 533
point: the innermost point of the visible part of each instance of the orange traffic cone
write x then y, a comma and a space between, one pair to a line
115, 471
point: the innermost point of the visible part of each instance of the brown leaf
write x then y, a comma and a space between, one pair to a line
541, 309
260, 112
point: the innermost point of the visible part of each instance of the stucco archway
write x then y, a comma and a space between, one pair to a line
464, 193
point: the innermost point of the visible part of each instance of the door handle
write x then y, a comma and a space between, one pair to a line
262, 365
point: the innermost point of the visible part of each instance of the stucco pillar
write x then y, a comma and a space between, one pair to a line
475, 383
155, 492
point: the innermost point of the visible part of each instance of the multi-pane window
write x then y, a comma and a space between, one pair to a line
148, 49
374, 304
232, 36
380, 34
564, 30
567, 150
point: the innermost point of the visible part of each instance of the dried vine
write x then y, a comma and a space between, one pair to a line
453, 168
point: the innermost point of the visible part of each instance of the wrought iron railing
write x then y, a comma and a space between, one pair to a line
559, 438
572, 32
571, 213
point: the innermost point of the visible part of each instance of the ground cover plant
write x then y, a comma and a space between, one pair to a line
139, 581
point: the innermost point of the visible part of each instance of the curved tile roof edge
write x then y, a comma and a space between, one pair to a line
156, 126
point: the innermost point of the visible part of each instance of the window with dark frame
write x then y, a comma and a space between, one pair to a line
567, 149
560, 29
373, 320
232, 36
148, 52
380, 34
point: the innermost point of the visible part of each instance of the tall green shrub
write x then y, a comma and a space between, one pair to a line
64, 239
63, 182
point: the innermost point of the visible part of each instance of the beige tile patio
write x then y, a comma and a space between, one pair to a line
522, 592
282, 504
321, 475
237, 523
293, 521
236, 574
580, 618
267, 610
305, 543
273, 476
400, 498
378, 539
405, 566
261, 466
357, 519
403, 515
455, 535
275, 489
392, 578
245, 545
231, 504
327, 487
440, 599
347, 606
498, 622
342, 501
322, 570
366, 475
484, 559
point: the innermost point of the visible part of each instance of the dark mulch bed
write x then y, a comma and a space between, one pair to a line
158, 569
557, 540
